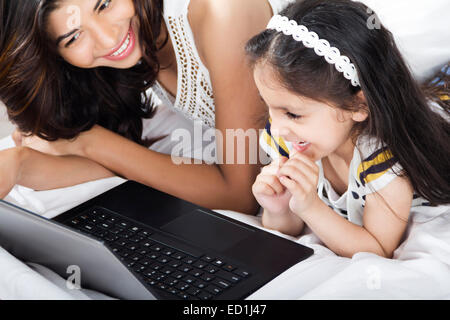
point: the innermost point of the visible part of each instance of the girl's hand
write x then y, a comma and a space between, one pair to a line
300, 176
268, 190
9, 170
60, 147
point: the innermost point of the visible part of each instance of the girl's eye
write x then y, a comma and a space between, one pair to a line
292, 116
105, 5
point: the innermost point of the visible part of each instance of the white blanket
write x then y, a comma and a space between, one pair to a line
420, 268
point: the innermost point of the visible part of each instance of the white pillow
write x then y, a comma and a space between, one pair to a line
421, 30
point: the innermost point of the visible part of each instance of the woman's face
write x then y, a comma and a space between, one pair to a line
94, 33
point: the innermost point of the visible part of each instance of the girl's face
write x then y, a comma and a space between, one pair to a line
314, 128
94, 33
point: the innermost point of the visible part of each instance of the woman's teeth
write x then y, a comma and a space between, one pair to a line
123, 47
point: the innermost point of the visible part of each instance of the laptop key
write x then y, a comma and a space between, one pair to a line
121, 242
231, 277
200, 264
167, 270
116, 230
183, 295
193, 291
207, 277
168, 252
228, 267
189, 279
208, 258
200, 284
204, 295
211, 269
171, 281
184, 268
145, 262
163, 259
153, 256
131, 246
196, 272
156, 266
213, 289
182, 286
178, 255
221, 283
178, 275
242, 273
174, 264
188, 260
138, 268
156, 247
219, 263
147, 243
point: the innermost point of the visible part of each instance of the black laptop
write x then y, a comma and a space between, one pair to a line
134, 242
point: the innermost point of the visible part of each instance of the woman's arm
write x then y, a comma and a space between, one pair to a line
199, 183
40, 171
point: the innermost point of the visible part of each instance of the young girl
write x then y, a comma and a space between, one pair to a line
80, 68
355, 146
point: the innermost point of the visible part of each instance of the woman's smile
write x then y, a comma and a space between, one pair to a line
125, 48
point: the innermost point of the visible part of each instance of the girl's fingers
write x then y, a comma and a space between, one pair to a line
306, 171
293, 187
272, 168
273, 182
262, 188
299, 156
294, 173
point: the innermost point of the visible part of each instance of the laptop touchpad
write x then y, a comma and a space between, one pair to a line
203, 229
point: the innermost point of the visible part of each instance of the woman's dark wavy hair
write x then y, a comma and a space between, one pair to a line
399, 114
52, 99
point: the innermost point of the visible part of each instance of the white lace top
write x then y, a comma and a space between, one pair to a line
195, 97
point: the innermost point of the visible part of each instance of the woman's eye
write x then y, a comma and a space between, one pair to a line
105, 5
292, 116
74, 38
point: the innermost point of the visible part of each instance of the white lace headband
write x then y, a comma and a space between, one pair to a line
321, 47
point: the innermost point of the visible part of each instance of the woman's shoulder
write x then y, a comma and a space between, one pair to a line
226, 23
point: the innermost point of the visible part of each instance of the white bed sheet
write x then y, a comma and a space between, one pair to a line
420, 268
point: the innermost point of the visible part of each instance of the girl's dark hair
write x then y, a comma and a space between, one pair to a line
52, 99
399, 114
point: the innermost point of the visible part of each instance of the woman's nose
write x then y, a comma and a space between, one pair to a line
106, 37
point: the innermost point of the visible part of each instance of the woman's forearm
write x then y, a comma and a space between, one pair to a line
203, 184
40, 171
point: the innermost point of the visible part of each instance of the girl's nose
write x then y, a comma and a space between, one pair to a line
278, 129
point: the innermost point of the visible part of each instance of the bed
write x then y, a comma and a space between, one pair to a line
420, 268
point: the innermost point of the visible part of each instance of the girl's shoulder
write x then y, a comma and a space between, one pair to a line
373, 165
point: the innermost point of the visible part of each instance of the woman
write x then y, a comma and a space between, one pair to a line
79, 68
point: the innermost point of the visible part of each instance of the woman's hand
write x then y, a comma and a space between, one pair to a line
300, 176
10, 164
60, 147
268, 190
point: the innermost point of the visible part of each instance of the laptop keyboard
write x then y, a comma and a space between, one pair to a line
160, 265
